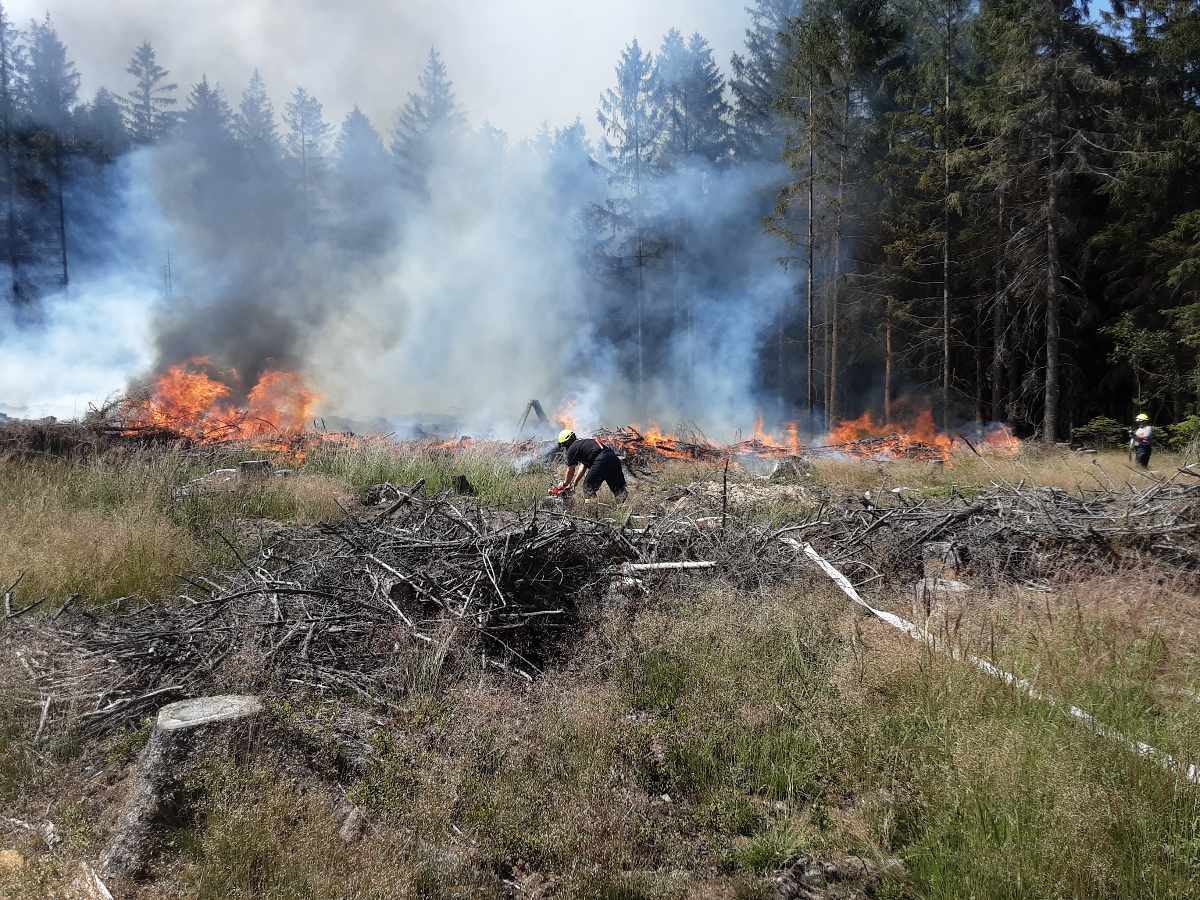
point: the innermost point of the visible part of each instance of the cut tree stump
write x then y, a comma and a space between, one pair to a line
942, 559
255, 469
178, 731
462, 486
930, 596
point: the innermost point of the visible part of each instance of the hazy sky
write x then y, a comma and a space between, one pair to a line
514, 62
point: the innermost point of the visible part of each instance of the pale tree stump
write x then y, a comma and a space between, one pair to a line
178, 731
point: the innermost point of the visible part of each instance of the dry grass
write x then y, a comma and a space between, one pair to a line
691, 745
697, 746
109, 527
88, 529
492, 476
967, 472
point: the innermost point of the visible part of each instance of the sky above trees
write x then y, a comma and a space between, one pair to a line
515, 63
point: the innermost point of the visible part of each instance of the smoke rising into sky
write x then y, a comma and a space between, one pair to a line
515, 63
494, 283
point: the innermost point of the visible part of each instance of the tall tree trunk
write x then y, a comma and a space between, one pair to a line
835, 292
946, 223
10, 169
639, 261
1053, 262
809, 275
641, 317
1014, 366
999, 326
1053, 314
887, 359
979, 362
62, 209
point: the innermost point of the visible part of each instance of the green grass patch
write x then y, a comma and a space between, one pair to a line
492, 476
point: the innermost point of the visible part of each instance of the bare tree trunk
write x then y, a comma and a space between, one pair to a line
641, 315
835, 293
6, 97
1016, 376
946, 224
640, 261
1053, 313
809, 275
887, 360
827, 348
999, 326
1053, 263
62, 209
979, 362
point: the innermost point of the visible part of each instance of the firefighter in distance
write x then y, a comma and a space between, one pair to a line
1142, 440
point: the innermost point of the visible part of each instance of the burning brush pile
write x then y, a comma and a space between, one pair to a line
861, 438
195, 402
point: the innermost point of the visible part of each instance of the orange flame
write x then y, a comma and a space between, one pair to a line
1000, 440
191, 399
866, 437
564, 416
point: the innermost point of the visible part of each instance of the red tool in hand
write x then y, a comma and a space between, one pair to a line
559, 490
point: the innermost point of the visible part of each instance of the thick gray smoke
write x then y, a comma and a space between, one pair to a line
500, 281
469, 300
463, 304
78, 347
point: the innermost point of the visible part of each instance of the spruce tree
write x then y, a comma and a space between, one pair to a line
52, 87
697, 128
363, 177
254, 125
359, 145
102, 127
634, 125
757, 83
428, 127
150, 107
207, 120
1047, 113
307, 142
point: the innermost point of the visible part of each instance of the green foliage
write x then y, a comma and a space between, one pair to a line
1183, 434
1150, 355
492, 476
1101, 432
771, 848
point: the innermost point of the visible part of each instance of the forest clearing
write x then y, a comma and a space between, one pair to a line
855, 552
496, 694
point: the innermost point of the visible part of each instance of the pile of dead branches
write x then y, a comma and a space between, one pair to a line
362, 606
1025, 533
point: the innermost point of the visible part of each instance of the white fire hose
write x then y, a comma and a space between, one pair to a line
1188, 771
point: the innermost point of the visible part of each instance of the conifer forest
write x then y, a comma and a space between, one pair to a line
986, 209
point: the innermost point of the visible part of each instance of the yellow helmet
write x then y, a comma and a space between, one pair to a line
566, 436
1142, 417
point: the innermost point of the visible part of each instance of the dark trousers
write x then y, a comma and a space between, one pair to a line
1142, 454
605, 470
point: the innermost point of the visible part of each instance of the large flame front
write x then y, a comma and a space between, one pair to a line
192, 400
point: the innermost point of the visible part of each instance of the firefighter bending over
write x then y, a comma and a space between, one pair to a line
1143, 437
591, 462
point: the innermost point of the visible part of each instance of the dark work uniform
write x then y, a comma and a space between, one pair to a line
602, 464
1143, 445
